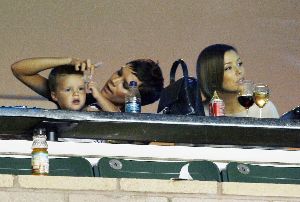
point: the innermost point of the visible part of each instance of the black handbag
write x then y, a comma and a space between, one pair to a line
181, 96
292, 114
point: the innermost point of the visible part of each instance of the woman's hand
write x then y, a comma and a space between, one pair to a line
82, 65
104, 103
92, 86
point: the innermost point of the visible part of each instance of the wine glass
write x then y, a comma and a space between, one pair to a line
245, 95
261, 96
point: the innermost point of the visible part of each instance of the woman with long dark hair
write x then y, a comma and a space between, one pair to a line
220, 68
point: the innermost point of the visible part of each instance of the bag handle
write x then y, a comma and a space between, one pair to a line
185, 77
174, 68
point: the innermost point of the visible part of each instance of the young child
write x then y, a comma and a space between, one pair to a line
68, 91
67, 87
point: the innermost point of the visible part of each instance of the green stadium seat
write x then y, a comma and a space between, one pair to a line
241, 172
125, 168
73, 166
15, 166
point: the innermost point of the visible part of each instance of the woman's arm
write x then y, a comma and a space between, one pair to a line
27, 71
104, 103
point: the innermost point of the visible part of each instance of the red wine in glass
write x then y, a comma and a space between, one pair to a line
245, 95
246, 100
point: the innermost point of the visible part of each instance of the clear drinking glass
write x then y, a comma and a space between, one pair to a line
88, 75
261, 96
245, 96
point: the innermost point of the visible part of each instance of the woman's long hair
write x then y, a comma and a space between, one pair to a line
210, 68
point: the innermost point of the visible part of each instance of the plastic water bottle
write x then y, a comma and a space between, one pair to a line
133, 99
39, 160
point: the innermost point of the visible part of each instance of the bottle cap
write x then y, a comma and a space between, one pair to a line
39, 141
39, 131
132, 83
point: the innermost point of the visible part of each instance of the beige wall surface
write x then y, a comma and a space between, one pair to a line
78, 189
266, 34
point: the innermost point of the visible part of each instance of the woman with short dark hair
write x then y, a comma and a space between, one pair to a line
145, 72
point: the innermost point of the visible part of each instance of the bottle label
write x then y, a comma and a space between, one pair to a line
40, 163
133, 107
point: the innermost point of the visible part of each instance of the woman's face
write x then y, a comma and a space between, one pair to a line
117, 86
233, 71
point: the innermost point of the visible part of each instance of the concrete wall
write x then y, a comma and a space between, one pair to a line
81, 189
266, 34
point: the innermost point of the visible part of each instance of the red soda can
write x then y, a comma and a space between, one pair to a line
216, 106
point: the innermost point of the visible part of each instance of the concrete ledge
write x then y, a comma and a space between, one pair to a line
34, 196
115, 198
206, 199
169, 186
6, 181
261, 189
78, 189
67, 183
